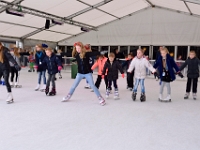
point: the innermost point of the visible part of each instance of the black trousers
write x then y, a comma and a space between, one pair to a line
5, 74
130, 79
193, 82
14, 73
51, 78
110, 84
98, 82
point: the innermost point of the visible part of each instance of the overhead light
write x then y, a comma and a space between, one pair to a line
57, 22
15, 13
84, 29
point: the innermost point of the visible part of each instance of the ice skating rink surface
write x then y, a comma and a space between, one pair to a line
39, 122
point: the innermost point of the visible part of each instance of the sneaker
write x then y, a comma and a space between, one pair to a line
186, 96
66, 98
102, 101
194, 96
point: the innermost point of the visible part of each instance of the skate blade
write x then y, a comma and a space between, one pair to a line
165, 101
10, 102
116, 98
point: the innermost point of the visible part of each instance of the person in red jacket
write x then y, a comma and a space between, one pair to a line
100, 64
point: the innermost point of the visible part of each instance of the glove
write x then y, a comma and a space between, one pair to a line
59, 68
17, 67
102, 76
180, 74
36, 67
156, 74
123, 75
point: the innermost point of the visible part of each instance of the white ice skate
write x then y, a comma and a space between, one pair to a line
116, 95
102, 101
43, 88
107, 93
66, 98
160, 98
11, 84
17, 85
167, 99
10, 98
87, 86
37, 87
194, 96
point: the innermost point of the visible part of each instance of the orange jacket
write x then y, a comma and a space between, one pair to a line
100, 64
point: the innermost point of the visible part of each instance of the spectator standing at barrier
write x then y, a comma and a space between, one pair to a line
5, 58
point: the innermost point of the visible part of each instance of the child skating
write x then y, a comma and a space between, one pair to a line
140, 63
111, 67
53, 66
31, 62
166, 66
60, 57
192, 74
84, 71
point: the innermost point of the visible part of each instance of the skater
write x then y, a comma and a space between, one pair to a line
130, 76
14, 72
60, 55
5, 58
53, 66
166, 66
100, 64
31, 62
41, 68
140, 63
112, 66
192, 74
84, 71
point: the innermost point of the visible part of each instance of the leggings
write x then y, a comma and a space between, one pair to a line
114, 83
167, 84
14, 73
51, 78
5, 74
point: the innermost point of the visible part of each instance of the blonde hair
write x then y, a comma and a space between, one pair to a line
165, 49
83, 50
141, 50
16, 52
192, 51
40, 46
49, 49
111, 55
1, 53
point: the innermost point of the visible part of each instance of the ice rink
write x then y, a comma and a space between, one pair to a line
39, 122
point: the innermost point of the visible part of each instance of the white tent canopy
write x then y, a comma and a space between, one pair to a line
116, 21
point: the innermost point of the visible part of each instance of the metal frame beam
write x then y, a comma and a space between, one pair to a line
188, 8
150, 3
10, 5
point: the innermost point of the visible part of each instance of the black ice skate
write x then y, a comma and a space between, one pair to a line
47, 91
143, 97
134, 96
53, 92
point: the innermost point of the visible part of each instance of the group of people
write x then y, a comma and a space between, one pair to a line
108, 69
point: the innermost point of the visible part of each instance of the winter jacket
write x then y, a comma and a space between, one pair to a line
170, 64
193, 67
140, 66
83, 64
127, 64
39, 56
100, 64
7, 58
112, 69
52, 63
17, 59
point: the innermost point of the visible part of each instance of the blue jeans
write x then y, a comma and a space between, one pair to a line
41, 74
89, 78
137, 82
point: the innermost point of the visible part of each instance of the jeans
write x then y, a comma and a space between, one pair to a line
41, 74
137, 82
51, 78
89, 78
194, 83
5, 74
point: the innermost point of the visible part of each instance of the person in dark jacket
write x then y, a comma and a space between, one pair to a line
41, 68
84, 70
60, 57
193, 74
5, 58
54, 65
166, 66
112, 66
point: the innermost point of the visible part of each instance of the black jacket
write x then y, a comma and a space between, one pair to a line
112, 73
7, 57
127, 64
52, 63
193, 67
84, 66
39, 56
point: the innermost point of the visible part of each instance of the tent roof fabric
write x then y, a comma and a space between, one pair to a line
92, 13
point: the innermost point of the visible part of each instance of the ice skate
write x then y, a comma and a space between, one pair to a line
194, 96
29, 70
11, 85
66, 98
37, 87
143, 97
17, 85
167, 99
87, 86
53, 92
10, 99
186, 96
43, 88
102, 101
116, 95
134, 96
107, 93
47, 90
60, 76
160, 97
